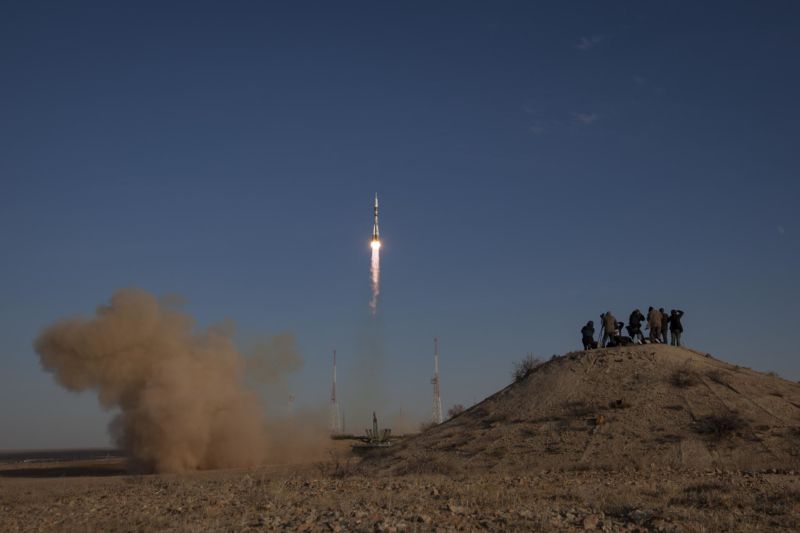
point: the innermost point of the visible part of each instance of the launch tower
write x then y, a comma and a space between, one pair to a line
336, 427
437, 398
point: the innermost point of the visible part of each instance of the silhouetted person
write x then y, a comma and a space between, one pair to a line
635, 325
664, 324
654, 324
609, 327
587, 334
675, 326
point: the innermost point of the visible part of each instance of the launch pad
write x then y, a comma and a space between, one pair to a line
374, 438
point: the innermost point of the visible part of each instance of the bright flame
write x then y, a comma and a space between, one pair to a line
375, 275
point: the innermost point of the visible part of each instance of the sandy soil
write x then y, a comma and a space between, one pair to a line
341, 496
645, 406
631, 439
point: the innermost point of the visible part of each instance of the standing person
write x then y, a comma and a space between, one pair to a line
609, 327
675, 326
587, 332
664, 324
654, 324
635, 325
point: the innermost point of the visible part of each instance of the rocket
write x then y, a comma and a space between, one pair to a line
375, 234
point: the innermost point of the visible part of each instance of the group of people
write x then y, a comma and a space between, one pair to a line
658, 323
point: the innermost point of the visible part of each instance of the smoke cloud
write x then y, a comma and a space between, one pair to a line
270, 360
180, 391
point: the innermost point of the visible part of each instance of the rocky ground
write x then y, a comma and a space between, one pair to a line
340, 496
645, 406
648, 438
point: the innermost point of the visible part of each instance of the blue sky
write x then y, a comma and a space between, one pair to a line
537, 165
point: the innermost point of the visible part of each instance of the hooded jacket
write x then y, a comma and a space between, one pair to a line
654, 320
675, 321
635, 320
609, 323
664, 320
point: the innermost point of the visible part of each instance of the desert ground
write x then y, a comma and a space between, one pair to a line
325, 497
648, 438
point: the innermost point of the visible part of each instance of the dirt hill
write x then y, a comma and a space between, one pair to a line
641, 406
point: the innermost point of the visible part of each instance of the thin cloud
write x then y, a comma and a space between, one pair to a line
587, 43
538, 127
541, 122
585, 118
529, 109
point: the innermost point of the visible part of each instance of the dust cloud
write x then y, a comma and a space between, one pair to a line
271, 359
180, 391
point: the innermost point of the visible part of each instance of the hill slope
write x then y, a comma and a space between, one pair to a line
641, 406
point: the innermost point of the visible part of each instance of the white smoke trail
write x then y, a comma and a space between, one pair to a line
375, 271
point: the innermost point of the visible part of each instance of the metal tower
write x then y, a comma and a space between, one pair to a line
437, 398
336, 427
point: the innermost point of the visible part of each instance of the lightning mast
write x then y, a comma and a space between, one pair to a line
437, 398
336, 427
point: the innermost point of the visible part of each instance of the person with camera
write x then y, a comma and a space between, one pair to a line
675, 326
664, 325
587, 334
635, 326
654, 325
609, 328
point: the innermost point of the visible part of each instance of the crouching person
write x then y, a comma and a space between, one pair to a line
587, 334
609, 328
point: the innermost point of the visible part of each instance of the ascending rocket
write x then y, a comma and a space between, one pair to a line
375, 264
376, 240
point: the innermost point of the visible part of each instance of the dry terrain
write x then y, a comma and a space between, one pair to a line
644, 406
628, 439
324, 499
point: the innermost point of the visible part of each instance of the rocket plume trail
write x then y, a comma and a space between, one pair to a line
375, 271
375, 268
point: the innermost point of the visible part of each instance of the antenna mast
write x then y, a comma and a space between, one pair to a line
336, 428
437, 398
